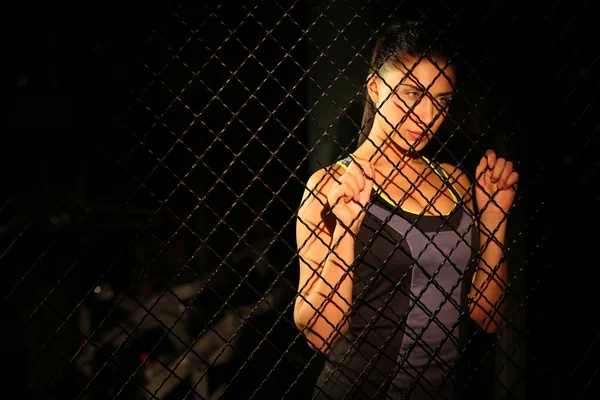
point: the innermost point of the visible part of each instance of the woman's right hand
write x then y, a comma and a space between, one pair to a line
350, 194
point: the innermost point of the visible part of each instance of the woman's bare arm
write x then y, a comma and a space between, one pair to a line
326, 252
489, 284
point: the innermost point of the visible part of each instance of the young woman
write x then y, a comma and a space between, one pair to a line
396, 250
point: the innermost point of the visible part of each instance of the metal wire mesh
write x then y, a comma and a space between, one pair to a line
150, 249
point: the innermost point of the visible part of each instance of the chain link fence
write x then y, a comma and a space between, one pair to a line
155, 159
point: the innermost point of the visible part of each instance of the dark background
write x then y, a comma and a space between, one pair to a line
150, 145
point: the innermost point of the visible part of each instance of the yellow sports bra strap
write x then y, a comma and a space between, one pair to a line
441, 172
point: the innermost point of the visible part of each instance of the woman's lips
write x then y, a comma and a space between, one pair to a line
415, 134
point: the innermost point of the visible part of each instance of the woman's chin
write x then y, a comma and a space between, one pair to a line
412, 145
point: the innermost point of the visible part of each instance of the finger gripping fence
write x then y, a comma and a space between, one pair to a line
292, 200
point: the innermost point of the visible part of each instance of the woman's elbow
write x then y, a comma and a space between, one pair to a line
319, 338
484, 322
490, 326
320, 344
316, 343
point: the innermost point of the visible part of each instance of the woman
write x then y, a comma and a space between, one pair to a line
395, 250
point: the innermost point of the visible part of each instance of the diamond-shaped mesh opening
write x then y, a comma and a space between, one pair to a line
178, 230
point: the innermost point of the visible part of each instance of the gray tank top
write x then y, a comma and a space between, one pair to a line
412, 275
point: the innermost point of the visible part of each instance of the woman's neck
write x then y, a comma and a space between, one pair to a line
386, 156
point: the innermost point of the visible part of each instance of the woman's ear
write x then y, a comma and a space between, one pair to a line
373, 89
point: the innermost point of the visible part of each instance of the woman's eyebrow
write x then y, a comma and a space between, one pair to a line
420, 89
411, 86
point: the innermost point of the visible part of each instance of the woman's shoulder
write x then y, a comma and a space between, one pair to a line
325, 176
319, 183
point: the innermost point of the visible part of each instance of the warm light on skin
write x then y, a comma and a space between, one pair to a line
410, 103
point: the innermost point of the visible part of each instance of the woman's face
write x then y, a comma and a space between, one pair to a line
412, 105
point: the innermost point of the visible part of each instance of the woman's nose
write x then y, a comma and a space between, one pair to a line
426, 111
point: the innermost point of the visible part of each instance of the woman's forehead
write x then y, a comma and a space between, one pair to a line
423, 72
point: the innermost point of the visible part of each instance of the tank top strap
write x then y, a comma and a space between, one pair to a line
437, 167
345, 162
443, 175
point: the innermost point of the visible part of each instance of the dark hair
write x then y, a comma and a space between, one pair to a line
397, 42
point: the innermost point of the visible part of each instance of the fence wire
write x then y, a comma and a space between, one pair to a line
149, 237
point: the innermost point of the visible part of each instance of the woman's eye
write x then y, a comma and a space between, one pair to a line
409, 97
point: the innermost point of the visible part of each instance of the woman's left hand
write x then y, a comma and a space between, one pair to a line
496, 185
